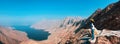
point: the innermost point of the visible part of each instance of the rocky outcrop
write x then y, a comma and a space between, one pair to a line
9, 36
108, 40
108, 37
108, 18
102, 40
108, 21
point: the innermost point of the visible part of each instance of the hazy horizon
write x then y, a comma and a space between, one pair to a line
24, 12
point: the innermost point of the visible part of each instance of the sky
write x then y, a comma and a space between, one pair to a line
31, 11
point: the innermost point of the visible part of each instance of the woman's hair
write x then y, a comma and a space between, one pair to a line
92, 20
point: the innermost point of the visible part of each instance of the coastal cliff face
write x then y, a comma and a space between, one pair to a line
9, 36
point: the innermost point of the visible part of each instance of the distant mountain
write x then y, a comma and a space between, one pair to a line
52, 25
47, 25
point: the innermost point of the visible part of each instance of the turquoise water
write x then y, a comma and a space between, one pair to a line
33, 33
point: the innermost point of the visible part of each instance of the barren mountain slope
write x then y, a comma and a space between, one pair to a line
9, 36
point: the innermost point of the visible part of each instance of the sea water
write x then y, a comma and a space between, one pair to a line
35, 34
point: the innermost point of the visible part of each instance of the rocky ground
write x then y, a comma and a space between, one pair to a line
9, 36
108, 37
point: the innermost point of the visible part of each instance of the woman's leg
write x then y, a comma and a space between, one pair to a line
92, 31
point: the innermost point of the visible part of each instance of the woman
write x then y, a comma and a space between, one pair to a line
93, 29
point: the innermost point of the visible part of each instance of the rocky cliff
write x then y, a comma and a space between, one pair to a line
108, 18
107, 21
